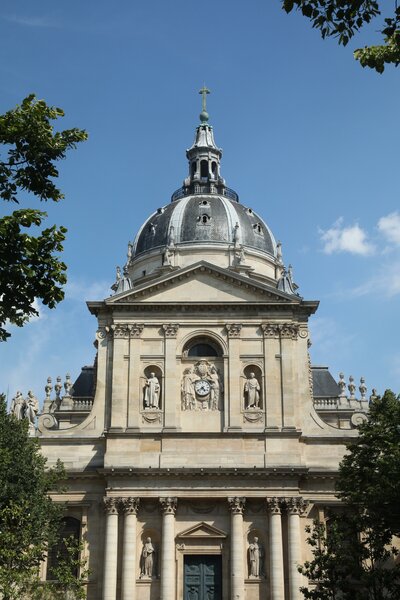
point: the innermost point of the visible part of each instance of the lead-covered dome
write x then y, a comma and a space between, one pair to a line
205, 218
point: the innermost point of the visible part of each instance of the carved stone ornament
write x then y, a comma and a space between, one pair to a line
274, 505
289, 331
201, 387
136, 330
358, 419
120, 331
303, 332
130, 506
111, 505
310, 376
236, 505
233, 329
296, 506
151, 417
253, 417
168, 505
171, 330
102, 333
285, 330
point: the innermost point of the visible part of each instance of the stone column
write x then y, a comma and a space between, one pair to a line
234, 392
236, 506
135, 385
110, 549
277, 590
172, 399
130, 508
168, 577
295, 507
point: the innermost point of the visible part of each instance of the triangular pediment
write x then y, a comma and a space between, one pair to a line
202, 530
203, 283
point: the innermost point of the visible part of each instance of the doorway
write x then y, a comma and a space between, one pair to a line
202, 577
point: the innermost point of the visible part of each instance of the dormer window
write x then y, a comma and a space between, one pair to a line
152, 228
258, 228
205, 219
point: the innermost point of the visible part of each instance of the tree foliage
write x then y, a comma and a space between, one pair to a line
342, 19
29, 519
30, 268
353, 557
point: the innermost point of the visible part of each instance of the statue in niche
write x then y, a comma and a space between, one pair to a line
17, 407
252, 391
152, 392
255, 557
31, 407
187, 388
147, 559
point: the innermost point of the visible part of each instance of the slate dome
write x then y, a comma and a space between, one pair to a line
205, 218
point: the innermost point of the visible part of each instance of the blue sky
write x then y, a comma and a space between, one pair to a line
310, 141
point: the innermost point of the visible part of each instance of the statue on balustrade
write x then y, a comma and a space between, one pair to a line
256, 555
17, 407
152, 392
147, 559
252, 392
31, 407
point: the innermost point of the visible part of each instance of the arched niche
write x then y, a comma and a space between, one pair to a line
149, 539
256, 554
253, 387
202, 375
152, 388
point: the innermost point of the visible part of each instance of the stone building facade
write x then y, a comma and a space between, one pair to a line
202, 441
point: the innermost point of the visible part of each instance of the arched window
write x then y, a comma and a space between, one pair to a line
193, 168
204, 168
202, 347
70, 529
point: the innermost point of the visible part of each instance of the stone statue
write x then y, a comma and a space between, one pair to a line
167, 257
17, 407
255, 556
240, 255
148, 553
187, 389
31, 407
213, 378
152, 392
252, 392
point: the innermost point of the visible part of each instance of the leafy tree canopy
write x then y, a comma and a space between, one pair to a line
342, 19
30, 268
353, 556
29, 519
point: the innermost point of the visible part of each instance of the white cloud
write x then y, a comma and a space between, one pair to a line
389, 226
386, 282
351, 239
27, 21
81, 291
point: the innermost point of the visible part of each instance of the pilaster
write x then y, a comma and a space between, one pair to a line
110, 549
235, 397
236, 506
171, 395
135, 394
168, 574
277, 589
129, 507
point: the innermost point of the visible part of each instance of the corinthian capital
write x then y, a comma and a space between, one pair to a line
274, 505
236, 505
130, 506
233, 329
296, 506
170, 330
111, 505
168, 505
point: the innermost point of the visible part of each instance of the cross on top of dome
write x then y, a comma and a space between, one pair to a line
204, 114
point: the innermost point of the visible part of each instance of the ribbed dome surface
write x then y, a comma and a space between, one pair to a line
203, 219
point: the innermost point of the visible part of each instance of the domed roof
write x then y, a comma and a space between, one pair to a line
205, 218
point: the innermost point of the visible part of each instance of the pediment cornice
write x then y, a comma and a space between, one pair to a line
262, 292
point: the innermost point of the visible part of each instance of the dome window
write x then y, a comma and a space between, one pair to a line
194, 168
205, 219
258, 229
151, 228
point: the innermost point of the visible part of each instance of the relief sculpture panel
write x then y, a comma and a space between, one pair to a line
201, 387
